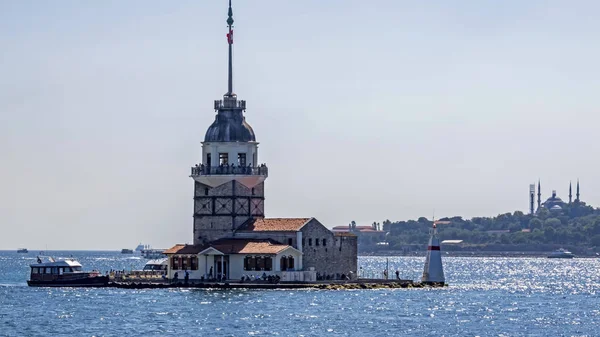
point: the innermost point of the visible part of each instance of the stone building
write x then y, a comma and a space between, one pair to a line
231, 235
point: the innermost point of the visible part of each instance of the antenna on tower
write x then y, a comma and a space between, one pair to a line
230, 43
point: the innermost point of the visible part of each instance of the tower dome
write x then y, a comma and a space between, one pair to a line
230, 126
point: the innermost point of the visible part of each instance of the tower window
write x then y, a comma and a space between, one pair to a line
252, 190
223, 158
208, 159
316, 242
310, 242
241, 159
289, 242
324, 242
206, 191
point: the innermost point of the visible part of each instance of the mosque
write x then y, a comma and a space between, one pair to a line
232, 237
553, 203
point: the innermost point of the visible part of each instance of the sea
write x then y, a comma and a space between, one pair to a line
485, 296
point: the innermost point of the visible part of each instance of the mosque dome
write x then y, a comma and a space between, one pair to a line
230, 126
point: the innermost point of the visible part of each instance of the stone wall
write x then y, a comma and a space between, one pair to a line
337, 255
220, 210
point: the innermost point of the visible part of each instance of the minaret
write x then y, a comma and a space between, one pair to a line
433, 273
539, 195
531, 198
570, 193
229, 182
577, 195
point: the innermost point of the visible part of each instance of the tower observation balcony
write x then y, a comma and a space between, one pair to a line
230, 103
201, 170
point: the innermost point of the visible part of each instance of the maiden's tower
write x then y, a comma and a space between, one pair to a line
231, 235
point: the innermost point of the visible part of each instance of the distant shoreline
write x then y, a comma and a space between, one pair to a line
470, 254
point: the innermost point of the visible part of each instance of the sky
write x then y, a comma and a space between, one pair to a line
364, 110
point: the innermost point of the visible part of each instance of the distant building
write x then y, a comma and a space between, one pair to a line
231, 236
554, 203
372, 232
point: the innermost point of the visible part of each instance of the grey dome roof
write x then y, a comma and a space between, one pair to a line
230, 126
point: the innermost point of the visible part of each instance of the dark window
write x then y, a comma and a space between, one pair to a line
316, 242
208, 158
223, 158
290, 262
241, 159
194, 263
175, 262
289, 242
310, 242
206, 191
268, 263
283, 263
252, 190
249, 263
184, 263
260, 263
324, 242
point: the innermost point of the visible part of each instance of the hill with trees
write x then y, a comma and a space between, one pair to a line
576, 226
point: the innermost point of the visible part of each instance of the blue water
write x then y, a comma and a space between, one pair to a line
486, 297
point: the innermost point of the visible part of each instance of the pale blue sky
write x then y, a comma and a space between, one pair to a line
365, 110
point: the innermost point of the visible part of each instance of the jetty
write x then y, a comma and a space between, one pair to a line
329, 285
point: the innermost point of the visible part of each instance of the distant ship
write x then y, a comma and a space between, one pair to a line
126, 251
139, 247
22, 250
153, 254
561, 254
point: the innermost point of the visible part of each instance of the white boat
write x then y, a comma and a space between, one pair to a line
157, 265
63, 273
153, 253
561, 254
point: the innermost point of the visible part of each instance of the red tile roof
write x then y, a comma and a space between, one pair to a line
343, 234
274, 225
185, 249
236, 246
231, 246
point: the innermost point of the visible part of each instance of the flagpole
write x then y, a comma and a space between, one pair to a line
230, 43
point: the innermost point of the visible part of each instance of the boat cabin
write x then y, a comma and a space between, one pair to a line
55, 270
157, 265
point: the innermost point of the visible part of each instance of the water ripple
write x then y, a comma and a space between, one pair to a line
486, 296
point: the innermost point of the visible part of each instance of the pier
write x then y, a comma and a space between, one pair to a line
332, 285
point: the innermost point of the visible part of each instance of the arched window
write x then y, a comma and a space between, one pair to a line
291, 262
268, 263
259, 263
283, 263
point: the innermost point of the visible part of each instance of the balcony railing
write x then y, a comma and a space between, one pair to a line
230, 104
201, 170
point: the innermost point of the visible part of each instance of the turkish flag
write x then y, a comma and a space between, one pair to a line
230, 37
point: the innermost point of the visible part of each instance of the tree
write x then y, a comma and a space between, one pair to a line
552, 222
535, 223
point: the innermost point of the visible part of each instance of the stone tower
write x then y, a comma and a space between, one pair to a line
229, 182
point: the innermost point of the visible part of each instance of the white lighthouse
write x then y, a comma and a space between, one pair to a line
433, 273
